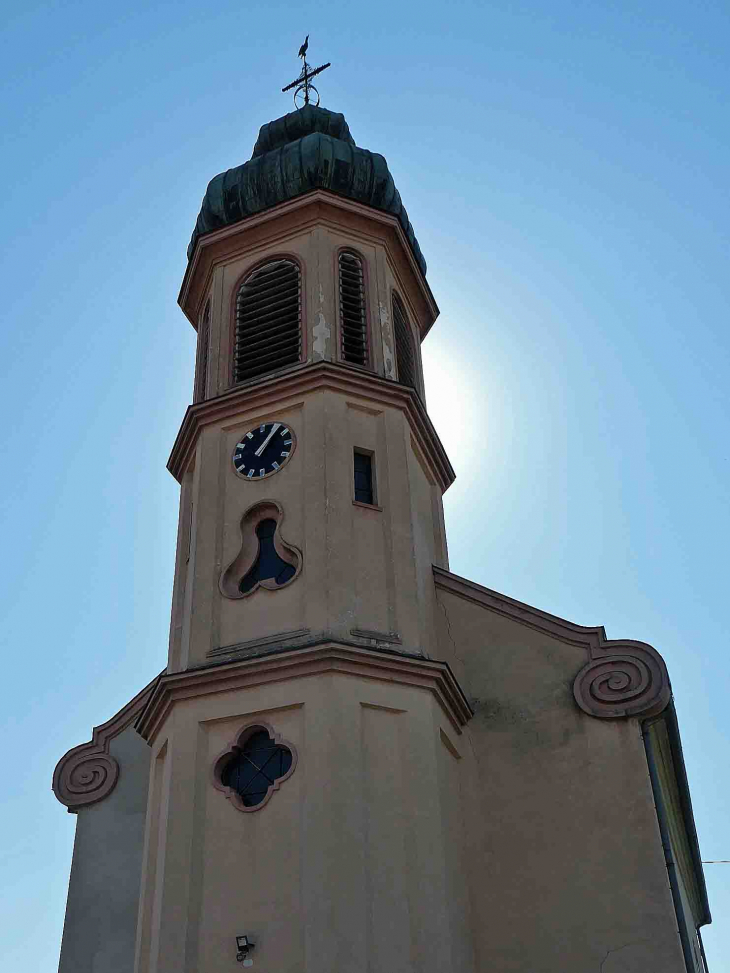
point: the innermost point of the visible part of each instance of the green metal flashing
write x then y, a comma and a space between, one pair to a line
311, 148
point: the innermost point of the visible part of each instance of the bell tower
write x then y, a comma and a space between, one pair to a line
301, 680
307, 288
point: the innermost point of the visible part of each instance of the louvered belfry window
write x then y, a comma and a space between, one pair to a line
268, 320
201, 371
404, 348
352, 310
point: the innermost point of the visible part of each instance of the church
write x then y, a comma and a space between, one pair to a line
355, 760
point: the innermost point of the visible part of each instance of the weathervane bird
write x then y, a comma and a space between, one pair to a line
304, 89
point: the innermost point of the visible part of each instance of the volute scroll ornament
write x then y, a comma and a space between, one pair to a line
623, 679
85, 779
89, 773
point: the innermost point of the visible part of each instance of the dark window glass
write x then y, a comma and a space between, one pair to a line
352, 310
404, 348
268, 565
364, 478
260, 762
268, 321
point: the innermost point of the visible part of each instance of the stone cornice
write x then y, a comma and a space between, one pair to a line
88, 773
319, 205
622, 677
308, 378
434, 677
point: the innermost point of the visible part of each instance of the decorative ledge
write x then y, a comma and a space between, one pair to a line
316, 207
259, 646
310, 378
88, 773
435, 677
621, 678
388, 638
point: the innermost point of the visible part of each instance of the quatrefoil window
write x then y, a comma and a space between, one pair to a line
253, 767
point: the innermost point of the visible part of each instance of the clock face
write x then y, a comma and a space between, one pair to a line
263, 450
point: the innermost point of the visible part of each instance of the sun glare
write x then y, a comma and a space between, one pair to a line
456, 404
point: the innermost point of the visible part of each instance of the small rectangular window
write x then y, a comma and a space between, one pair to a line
364, 492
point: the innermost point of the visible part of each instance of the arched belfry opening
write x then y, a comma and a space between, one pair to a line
268, 333
405, 347
353, 311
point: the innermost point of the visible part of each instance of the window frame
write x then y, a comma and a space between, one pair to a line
362, 451
232, 751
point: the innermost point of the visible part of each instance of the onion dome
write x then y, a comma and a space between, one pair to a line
310, 148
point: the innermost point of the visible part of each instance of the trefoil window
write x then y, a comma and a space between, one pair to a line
269, 565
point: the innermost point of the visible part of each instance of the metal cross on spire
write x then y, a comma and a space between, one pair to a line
303, 85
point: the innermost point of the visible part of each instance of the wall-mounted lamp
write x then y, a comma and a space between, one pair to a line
243, 948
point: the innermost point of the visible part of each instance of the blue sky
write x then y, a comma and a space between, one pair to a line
565, 168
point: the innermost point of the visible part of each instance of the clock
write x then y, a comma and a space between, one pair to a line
263, 450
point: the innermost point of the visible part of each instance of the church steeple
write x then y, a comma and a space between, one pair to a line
308, 289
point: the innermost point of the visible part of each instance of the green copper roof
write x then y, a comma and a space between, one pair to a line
308, 149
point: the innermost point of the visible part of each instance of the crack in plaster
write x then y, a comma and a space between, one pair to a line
618, 949
448, 628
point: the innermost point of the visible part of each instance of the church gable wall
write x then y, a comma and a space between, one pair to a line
565, 858
103, 896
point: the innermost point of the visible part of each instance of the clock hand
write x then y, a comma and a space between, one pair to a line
266, 441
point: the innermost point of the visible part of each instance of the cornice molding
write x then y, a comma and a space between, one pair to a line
622, 677
323, 205
434, 677
88, 773
309, 378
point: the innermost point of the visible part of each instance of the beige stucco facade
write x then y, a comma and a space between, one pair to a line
470, 788
320, 877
